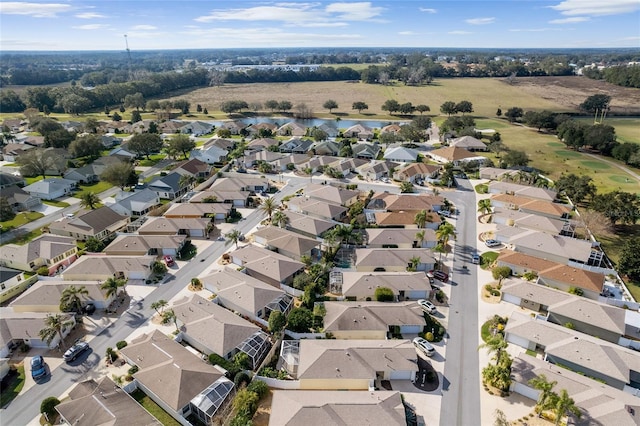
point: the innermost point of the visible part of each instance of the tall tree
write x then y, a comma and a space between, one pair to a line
595, 103
145, 144
464, 107
359, 106
269, 206
180, 144
159, 306
120, 174
89, 200
546, 396
565, 405
330, 105
421, 219
54, 325
36, 162
280, 219
86, 146
391, 105
72, 297
112, 285
234, 236
449, 108
630, 259
495, 344
445, 232
6, 211
484, 206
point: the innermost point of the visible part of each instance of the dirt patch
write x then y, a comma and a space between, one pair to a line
571, 91
261, 417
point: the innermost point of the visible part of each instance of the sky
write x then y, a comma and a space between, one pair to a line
210, 24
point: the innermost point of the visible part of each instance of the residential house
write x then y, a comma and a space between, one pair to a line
403, 219
307, 225
598, 403
287, 243
397, 260
267, 266
226, 144
135, 204
365, 150
556, 248
51, 188
570, 278
385, 201
123, 153
285, 163
454, 155
253, 158
191, 227
509, 188
54, 252
100, 267
296, 145
348, 166
596, 319
353, 365
102, 402
7, 181
210, 328
326, 148
494, 173
417, 172
197, 128
246, 295
522, 221
115, 127
233, 126
100, 223
210, 155
295, 407
331, 131
391, 128
19, 200
262, 144
35, 141
531, 205
24, 327
240, 182
169, 187
318, 208
109, 141
232, 197
85, 174
522, 263
359, 131
332, 194
400, 154
195, 168
13, 282
44, 296
12, 151
469, 143
176, 379
532, 296
73, 126
292, 129
372, 320
170, 126
257, 128
405, 285
400, 238
15, 125
218, 211
141, 245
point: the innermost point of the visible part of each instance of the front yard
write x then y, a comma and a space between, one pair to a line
19, 220
96, 188
12, 385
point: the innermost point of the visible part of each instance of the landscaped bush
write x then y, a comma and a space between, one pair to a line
231, 368
133, 370
48, 406
259, 387
241, 378
273, 373
43, 271
434, 327
121, 344
429, 336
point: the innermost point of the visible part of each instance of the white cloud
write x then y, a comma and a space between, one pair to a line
570, 20
298, 14
407, 33
91, 27
480, 21
596, 7
427, 10
459, 32
146, 34
320, 24
269, 36
89, 15
362, 11
143, 27
36, 10
529, 30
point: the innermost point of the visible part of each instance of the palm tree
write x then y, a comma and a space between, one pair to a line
495, 344
445, 232
159, 306
547, 395
234, 236
269, 206
565, 405
413, 264
406, 187
54, 325
72, 297
484, 206
420, 237
280, 219
421, 218
185, 181
440, 248
89, 200
498, 376
112, 285
169, 316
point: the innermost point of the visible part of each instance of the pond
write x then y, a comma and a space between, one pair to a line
342, 124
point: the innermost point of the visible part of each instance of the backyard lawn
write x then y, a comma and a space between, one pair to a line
153, 408
12, 385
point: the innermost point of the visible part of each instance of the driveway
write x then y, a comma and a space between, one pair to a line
46, 209
425, 369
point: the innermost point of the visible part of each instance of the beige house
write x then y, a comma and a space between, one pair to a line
267, 266
387, 202
176, 379
396, 260
406, 220
54, 252
307, 225
372, 320
100, 267
191, 227
287, 243
509, 188
101, 223
556, 248
417, 171
565, 278
332, 194
217, 211
13, 282
328, 364
141, 245
24, 327
454, 155
405, 285
531, 205
44, 296
318, 208
400, 238
336, 407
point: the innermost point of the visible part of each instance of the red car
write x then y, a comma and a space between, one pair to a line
439, 275
168, 260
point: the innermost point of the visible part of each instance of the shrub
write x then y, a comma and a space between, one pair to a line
277, 321
48, 406
43, 270
241, 378
121, 344
529, 276
259, 387
133, 370
488, 287
245, 403
495, 293
384, 294
429, 336
300, 320
431, 376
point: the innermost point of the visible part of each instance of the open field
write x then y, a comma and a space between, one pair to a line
627, 129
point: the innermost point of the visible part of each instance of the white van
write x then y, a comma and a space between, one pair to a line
423, 346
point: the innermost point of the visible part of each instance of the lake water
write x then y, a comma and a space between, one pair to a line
342, 124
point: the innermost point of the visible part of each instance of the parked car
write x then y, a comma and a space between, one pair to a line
423, 346
427, 306
75, 351
475, 259
38, 367
441, 276
168, 260
430, 277
445, 213
492, 243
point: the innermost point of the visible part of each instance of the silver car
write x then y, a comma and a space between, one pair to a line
427, 306
423, 346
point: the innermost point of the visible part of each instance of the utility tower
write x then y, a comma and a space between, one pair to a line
126, 42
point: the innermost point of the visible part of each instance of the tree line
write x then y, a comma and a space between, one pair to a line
622, 75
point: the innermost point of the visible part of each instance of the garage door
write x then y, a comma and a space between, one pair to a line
517, 340
511, 299
410, 329
525, 390
140, 275
417, 294
400, 375
196, 232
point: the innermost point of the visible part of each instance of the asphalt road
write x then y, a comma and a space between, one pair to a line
26, 406
461, 382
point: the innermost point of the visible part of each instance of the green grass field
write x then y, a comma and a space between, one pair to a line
154, 409
627, 129
20, 219
96, 188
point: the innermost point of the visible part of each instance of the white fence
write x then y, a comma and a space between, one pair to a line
634, 306
291, 290
279, 384
298, 336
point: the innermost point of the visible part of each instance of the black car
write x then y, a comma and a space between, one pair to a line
75, 351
